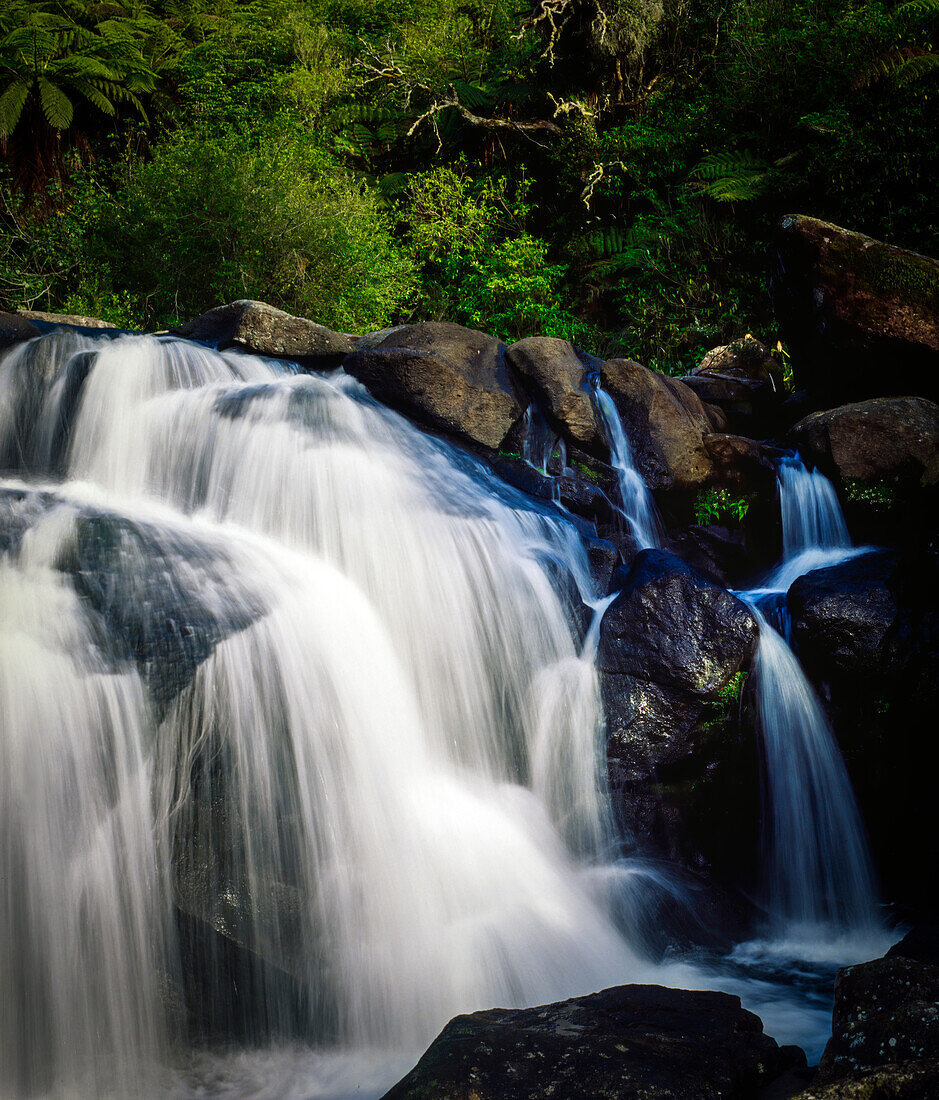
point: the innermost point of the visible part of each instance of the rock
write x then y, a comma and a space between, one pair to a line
885, 1019
672, 626
917, 1080
738, 461
747, 404
720, 553
920, 944
886, 436
668, 643
164, 601
648, 726
665, 423
448, 378
846, 618
553, 373
14, 329
577, 495
744, 358
629, 1042
860, 317
263, 330
70, 320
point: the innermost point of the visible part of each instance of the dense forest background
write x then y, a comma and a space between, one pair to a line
608, 171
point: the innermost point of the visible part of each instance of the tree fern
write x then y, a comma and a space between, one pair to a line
730, 177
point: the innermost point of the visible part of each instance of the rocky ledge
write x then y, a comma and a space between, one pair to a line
627, 1043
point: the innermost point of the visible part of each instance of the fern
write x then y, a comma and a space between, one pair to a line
56, 105
730, 177
12, 103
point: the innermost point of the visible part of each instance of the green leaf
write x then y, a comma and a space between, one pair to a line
12, 103
56, 105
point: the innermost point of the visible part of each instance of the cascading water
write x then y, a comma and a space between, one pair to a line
818, 875
299, 734
638, 507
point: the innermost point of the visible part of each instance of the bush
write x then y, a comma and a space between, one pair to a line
211, 219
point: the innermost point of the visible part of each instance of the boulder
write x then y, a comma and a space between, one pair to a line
672, 626
69, 320
860, 317
885, 1027
451, 379
665, 422
883, 437
554, 375
739, 461
669, 642
720, 553
263, 330
846, 619
746, 403
628, 1042
745, 358
14, 329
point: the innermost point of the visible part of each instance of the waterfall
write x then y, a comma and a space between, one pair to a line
638, 507
817, 870
300, 730
280, 667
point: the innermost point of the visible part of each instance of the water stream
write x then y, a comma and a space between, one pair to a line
300, 734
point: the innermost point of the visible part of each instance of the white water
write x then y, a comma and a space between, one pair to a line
818, 879
381, 774
638, 507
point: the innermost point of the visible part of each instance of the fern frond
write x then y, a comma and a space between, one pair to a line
12, 103
56, 105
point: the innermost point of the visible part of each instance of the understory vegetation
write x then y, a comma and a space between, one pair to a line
608, 171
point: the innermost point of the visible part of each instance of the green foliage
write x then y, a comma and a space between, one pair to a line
879, 496
719, 506
211, 219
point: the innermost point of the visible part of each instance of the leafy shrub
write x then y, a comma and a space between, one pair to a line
210, 219
719, 506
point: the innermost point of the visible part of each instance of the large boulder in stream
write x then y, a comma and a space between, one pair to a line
885, 1027
669, 642
665, 422
633, 1042
449, 378
553, 372
860, 317
885, 437
263, 330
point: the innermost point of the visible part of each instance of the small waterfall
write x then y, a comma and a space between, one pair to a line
817, 870
638, 507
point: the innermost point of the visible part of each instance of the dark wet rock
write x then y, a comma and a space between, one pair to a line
885, 1031
665, 423
648, 725
164, 601
921, 944
672, 626
717, 417
720, 553
263, 330
578, 496
452, 379
867, 633
603, 558
629, 1042
873, 439
744, 358
14, 329
860, 317
553, 373
847, 618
